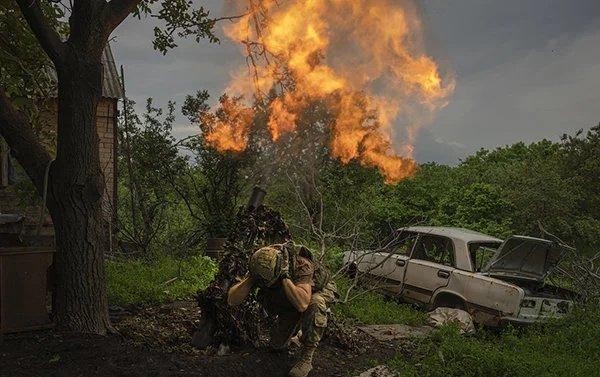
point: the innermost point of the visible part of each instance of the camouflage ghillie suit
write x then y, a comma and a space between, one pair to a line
311, 322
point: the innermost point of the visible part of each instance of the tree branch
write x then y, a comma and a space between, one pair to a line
44, 33
23, 142
119, 10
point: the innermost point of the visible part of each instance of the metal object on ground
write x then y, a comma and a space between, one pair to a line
257, 197
24, 288
214, 248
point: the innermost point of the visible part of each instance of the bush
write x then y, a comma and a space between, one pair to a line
567, 347
141, 282
371, 308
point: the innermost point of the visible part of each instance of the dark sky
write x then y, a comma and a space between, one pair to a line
525, 70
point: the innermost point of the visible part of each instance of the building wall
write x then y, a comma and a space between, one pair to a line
105, 120
10, 202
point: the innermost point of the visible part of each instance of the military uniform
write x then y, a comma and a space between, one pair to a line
312, 322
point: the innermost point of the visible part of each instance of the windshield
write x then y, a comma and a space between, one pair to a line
481, 253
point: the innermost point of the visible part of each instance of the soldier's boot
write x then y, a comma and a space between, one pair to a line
304, 364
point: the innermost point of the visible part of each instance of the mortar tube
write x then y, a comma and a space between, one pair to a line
257, 197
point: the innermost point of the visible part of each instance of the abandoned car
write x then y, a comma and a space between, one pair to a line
496, 281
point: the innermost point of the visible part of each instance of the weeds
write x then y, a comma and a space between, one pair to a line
167, 279
371, 308
567, 347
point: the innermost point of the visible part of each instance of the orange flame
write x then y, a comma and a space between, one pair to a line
228, 130
366, 54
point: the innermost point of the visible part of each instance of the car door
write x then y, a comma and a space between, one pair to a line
388, 266
429, 268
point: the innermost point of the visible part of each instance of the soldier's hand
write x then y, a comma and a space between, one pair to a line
285, 264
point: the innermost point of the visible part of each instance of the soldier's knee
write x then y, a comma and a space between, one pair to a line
316, 314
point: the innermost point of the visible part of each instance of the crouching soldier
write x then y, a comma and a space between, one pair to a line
297, 289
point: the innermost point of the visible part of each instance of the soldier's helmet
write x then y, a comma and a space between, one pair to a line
265, 266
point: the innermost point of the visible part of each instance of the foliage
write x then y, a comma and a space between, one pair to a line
214, 182
565, 347
512, 189
171, 200
143, 282
148, 159
478, 206
582, 161
25, 70
370, 308
180, 19
331, 206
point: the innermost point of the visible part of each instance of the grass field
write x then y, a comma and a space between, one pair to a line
567, 347
166, 279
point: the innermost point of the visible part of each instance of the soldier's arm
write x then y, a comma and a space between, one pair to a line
239, 292
299, 295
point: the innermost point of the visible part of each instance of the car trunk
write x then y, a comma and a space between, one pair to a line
526, 262
526, 258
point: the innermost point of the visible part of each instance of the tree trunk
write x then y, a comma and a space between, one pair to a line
75, 199
75, 183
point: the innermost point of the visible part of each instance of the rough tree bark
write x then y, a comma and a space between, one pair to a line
75, 181
76, 187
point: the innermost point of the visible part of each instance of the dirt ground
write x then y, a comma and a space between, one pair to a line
155, 342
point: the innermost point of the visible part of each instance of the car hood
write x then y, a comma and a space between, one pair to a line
526, 257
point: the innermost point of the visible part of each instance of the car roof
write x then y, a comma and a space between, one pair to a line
462, 234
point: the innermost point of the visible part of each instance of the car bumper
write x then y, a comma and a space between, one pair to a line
528, 320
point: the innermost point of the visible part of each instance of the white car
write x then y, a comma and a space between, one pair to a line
496, 281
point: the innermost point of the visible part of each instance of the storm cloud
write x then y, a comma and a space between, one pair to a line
525, 70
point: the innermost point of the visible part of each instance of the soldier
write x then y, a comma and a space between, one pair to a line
295, 288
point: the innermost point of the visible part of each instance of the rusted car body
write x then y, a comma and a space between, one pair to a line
496, 281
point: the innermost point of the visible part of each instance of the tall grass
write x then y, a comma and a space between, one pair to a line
567, 347
166, 279
370, 308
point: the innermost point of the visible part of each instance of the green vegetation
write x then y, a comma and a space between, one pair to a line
142, 282
567, 347
167, 195
333, 207
370, 308
559, 348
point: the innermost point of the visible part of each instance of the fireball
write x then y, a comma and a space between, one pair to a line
365, 57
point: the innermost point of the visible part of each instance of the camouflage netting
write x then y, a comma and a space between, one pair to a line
245, 324
240, 325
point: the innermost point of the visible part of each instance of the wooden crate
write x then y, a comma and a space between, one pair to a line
24, 288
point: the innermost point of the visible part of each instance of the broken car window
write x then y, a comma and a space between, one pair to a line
481, 253
435, 249
404, 243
